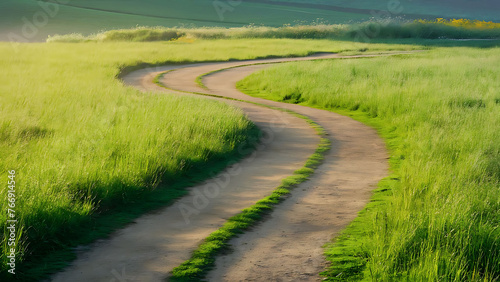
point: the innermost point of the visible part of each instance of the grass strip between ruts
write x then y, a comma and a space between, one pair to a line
344, 259
203, 258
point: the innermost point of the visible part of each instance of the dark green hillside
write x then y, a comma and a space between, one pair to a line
90, 16
32, 20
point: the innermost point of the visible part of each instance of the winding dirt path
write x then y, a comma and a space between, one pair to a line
287, 246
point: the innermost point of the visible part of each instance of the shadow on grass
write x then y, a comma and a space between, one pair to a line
46, 259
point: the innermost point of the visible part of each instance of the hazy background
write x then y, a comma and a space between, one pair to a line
29, 20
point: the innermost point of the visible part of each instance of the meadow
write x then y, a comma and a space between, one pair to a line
82, 144
91, 154
436, 217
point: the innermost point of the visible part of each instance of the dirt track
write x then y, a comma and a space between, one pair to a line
287, 246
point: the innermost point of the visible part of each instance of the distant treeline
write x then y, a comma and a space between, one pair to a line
436, 29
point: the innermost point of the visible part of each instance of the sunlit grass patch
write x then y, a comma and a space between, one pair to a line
437, 217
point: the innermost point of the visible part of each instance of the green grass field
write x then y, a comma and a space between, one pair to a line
436, 217
91, 154
83, 145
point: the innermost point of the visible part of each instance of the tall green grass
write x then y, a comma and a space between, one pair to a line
437, 217
85, 147
138, 34
362, 32
82, 144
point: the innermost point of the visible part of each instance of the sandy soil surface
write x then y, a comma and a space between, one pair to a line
285, 247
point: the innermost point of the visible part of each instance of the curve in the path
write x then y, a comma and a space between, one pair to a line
154, 244
288, 244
